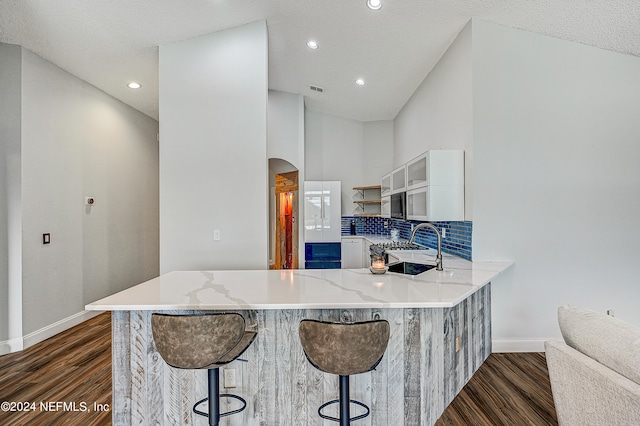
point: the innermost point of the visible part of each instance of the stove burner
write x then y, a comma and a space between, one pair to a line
380, 249
400, 245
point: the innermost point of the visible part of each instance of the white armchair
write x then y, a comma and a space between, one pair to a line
595, 371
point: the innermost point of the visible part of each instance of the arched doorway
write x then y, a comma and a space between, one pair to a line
283, 217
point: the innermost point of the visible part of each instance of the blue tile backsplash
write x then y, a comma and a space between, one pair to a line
457, 241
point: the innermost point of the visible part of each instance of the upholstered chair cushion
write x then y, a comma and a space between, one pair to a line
200, 341
344, 349
608, 340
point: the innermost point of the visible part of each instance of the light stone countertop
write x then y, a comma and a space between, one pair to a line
309, 288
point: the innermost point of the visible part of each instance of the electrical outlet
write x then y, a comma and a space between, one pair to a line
444, 232
229, 375
457, 343
216, 235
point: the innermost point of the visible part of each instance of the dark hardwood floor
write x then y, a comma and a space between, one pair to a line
510, 389
74, 367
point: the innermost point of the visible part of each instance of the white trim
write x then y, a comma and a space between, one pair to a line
9, 346
22, 343
517, 345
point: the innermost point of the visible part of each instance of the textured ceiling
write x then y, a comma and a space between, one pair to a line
111, 42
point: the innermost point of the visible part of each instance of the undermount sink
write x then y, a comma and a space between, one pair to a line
410, 268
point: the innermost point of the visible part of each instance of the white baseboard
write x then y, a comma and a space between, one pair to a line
44, 333
517, 345
9, 346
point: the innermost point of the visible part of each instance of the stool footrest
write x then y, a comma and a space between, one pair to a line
336, 401
228, 413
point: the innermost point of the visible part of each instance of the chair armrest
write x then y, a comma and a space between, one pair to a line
587, 393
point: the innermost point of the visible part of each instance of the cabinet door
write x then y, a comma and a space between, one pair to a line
313, 209
385, 185
331, 211
445, 167
399, 180
417, 204
385, 206
445, 203
351, 253
366, 256
436, 203
417, 172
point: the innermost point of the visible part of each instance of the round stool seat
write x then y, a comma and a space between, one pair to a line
344, 349
200, 341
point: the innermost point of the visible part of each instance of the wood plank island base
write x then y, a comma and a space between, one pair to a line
434, 349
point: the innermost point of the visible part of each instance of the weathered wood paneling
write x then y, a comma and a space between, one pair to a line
418, 377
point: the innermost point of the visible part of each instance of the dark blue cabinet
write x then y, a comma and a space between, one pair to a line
322, 255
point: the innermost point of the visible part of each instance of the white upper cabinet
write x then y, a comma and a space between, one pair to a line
439, 167
399, 179
434, 183
385, 206
385, 185
417, 172
436, 203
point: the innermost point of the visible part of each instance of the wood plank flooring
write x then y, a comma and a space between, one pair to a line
75, 367
510, 389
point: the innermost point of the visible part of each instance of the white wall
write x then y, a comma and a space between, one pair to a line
213, 151
10, 208
285, 145
439, 113
336, 148
76, 141
377, 150
556, 179
285, 128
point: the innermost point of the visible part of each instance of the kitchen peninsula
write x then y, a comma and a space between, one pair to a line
440, 335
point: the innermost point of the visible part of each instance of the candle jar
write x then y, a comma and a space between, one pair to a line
377, 264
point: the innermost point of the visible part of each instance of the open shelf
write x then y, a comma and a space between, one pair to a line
370, 203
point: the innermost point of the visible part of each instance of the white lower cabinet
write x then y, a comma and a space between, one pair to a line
352, 253
366, 257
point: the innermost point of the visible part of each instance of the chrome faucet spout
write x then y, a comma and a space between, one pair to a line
433, 227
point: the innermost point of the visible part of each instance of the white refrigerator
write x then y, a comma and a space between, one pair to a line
322, 224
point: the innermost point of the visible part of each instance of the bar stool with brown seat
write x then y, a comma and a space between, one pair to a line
203, 341
344, 349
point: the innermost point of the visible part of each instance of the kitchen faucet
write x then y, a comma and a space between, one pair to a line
439, 255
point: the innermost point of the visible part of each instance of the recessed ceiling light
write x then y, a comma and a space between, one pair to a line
134, 85
360, 82
312, 44
374, 4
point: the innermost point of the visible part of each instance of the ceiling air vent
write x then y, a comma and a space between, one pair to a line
316, 88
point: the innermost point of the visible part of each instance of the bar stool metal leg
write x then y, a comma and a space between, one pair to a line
214, 401
344, 401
